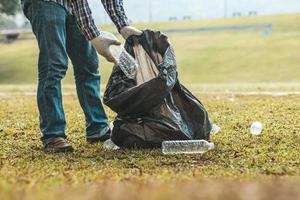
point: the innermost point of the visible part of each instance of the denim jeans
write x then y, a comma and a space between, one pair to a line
58, 38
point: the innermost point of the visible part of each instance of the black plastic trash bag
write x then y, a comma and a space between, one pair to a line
154, 106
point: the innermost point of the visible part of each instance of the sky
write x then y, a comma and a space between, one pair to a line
162, 10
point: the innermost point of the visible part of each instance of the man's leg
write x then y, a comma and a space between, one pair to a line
48, 23
85, 62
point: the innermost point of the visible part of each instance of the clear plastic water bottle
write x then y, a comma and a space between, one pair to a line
186, 147
256, 128
124, 60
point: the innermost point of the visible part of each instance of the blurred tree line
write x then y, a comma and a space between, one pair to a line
9, 7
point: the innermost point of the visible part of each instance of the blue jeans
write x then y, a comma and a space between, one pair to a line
58, 37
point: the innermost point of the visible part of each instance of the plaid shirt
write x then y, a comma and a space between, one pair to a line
82, 11
85, 20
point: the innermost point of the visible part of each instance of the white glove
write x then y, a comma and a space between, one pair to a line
102, 44
128, 31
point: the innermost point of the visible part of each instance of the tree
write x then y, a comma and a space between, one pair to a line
9, 7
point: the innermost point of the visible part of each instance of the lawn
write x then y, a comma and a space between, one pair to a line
231, 72
214, 57
266, 166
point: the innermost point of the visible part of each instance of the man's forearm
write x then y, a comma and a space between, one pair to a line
87, 25
115, 10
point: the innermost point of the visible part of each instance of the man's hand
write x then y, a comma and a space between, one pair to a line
102, 44
128, 31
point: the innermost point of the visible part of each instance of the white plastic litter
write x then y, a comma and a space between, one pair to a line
187, 147
256, 128
109, 145
215, 129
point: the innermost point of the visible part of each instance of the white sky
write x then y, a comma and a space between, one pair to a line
139, 10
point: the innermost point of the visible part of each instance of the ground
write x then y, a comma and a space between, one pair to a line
240, 76
256, 164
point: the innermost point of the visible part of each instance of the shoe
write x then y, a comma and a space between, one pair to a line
57, 145
97, 138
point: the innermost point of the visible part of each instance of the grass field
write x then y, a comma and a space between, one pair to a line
214, 57
231, 72
264, 167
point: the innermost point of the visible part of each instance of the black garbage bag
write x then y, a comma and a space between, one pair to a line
154, 106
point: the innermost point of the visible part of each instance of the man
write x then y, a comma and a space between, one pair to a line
64, 28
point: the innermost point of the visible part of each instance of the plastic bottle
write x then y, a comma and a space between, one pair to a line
186, 147
124, 60
215, 129
256, 128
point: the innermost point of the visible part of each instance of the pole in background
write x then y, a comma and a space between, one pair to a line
225, 8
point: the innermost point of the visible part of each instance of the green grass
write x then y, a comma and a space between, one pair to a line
215, 65
266, 165
200, 88
220, 57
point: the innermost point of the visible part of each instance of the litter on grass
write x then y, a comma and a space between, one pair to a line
256, 128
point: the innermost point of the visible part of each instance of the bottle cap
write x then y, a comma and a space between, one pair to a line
211, 146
